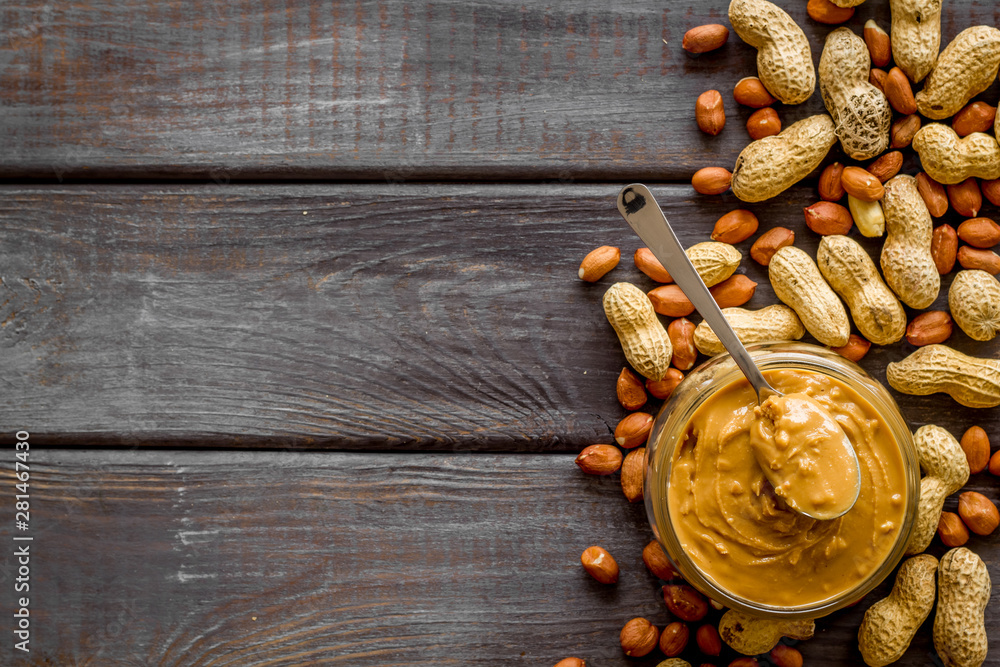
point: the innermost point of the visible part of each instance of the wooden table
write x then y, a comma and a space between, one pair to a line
290, 311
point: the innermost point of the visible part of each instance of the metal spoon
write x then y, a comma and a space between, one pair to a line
643, 214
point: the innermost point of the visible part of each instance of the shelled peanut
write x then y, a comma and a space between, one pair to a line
684, 602
878, 42
763, 123
735, 227
710, 113
657, 562
979, 233
749, 91
855, 349
770, 242
975, 443
599, 459
984, 260
646, 262
944, 245
978, 512
633, 471
929, 327
708, 640
630, 390
902, 131
965, 197
825, 11
639, 637
974, 117
899, 92
600, 564
952, 530
705, 38
681, 332
598, 263
633, 430
827, 217
674, 639
662, 389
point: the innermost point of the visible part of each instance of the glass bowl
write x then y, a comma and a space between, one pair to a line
671, 424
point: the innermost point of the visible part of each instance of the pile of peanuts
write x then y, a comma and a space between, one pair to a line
875, 115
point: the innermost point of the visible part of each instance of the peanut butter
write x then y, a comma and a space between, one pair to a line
744, 537
805, 455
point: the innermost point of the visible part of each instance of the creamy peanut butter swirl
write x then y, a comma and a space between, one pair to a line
744, 537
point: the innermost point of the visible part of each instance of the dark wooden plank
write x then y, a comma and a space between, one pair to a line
376, 89
420, 317
266, 558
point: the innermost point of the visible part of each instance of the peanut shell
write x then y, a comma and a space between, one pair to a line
776, 322
860, 111
750, 635
972, 381
769, 166
963, 593
643, 338
784, 60
797, 281
949, 159
877, 312
906, 258
966, 67
974, 301
946, 470
714, 261
916, 35
890, 624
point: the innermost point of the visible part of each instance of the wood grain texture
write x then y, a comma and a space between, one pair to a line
184, 558
383, 90
416, 317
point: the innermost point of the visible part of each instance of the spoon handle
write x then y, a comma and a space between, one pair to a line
643, 214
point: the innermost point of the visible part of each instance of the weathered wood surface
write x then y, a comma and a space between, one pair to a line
416, 317
377, 89
412, 317
265, 558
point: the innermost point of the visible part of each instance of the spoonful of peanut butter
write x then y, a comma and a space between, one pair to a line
805, 455
800, 447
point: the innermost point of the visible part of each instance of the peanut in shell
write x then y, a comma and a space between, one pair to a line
769, 166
